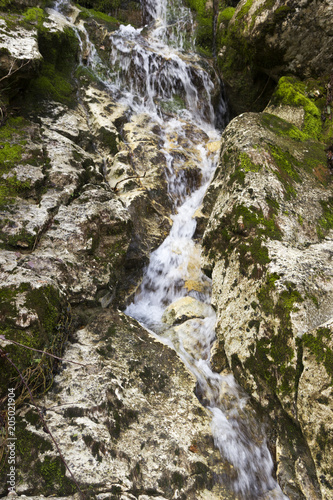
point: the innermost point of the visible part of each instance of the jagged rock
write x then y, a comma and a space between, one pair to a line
136, 428
267, 248
184, 309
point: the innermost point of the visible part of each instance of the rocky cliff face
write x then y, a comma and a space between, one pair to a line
83, 202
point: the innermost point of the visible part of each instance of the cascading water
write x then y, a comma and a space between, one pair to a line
151, 73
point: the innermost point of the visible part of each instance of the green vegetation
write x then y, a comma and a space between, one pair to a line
52, 477
292, 92
244, 229
226, 14
282, 127
111, 21
34, 16
12, 142
46, 330
247, 164
103, 6
204, 32
55, 80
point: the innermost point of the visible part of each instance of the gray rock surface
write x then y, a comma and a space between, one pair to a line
270, 260
127, 422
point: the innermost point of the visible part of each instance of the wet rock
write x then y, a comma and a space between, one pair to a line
137, 173
105, 117
184, 309
188, 337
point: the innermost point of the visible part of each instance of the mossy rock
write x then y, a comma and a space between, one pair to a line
55, 80
14, 138
36, 317
31, 453
204, 31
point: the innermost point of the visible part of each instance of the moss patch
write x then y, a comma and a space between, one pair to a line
325, 223
55, 80
244, 230
317, 343
273, 355
204, 30
293, 92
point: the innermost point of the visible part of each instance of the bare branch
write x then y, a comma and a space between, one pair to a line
126, 179
42, 352
11, 72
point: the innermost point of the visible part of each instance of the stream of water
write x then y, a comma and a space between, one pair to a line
152, 70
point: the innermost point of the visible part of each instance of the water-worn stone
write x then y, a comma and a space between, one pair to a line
184, 309
268, 249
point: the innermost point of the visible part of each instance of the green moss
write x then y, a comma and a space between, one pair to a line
244, 10
111, 21
226, 14
204, 30
286, 171
47, 332
274, 353
52, 85
52, 477
55, 80
247, 164
103, 7
243, 164
282, 127
10, 155
292, 92
325, 223
244, 230
12, 141
35, 16
173, 105
317, 343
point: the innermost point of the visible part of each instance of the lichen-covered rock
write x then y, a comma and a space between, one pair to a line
267, 248
314, 402
136, 427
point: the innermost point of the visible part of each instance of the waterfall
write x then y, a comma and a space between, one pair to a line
153, 70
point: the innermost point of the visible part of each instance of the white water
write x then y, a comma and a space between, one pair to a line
148, 72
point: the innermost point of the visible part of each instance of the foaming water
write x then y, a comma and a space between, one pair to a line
153, 71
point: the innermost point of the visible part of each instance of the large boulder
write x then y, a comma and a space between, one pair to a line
127, 423
268, 249
266, 40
